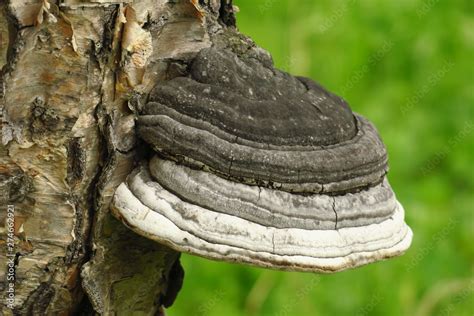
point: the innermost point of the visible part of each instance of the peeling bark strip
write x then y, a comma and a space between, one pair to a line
72, 74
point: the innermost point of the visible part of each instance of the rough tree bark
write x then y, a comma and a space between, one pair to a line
72, 74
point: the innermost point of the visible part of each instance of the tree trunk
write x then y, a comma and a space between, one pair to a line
73, 72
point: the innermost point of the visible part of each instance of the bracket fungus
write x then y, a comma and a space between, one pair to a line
253, 165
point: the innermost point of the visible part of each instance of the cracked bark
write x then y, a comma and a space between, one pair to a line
72, 75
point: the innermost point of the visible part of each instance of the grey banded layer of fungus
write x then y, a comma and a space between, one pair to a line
256, 166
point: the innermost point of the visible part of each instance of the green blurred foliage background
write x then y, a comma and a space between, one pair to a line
408, 66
